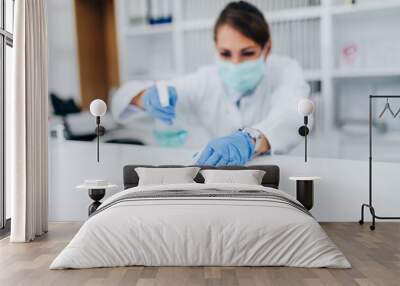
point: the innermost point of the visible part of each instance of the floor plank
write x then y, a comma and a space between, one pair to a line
375, 257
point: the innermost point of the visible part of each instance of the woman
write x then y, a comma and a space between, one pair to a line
247, 101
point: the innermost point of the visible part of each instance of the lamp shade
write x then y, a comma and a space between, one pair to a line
305, 107
98, 107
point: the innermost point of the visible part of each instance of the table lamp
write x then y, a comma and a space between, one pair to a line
305, 108
98, 108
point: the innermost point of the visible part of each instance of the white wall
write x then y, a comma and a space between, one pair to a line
63, 58
338, 196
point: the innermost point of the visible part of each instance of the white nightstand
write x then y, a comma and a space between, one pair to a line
305, 190
96, 193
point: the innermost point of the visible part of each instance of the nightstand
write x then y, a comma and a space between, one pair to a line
305, 190
96, 193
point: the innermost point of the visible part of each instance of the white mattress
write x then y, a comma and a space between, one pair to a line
200, 231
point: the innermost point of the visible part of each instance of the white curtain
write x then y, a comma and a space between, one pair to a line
27, 121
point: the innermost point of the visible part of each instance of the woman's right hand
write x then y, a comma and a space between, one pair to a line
149, 100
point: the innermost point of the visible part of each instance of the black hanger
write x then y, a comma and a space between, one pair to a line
387, 107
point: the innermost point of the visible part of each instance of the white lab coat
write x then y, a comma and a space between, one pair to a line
204, 101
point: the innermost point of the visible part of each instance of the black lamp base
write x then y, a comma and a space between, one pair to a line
304, 130
100, 130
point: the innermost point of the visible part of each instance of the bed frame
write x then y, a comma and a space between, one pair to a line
270, 179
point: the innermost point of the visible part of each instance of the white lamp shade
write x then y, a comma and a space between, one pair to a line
98, 107
305, 107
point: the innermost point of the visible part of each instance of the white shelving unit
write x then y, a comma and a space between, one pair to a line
188, 34
149, 30
168, 50
365, 73
365, 7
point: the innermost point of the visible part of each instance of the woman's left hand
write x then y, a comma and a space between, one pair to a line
235, 149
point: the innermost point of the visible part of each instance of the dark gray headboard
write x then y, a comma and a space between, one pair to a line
271, 177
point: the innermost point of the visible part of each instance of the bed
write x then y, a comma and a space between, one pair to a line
197, 224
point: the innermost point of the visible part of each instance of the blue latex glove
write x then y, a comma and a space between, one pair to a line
152, 105
235, 149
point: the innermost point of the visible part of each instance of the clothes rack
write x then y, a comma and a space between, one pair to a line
370, 202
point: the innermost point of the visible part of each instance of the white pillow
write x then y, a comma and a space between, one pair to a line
165, 176
248, 177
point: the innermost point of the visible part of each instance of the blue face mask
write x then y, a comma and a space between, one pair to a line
242, 77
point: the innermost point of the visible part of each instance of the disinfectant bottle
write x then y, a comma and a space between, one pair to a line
168, 135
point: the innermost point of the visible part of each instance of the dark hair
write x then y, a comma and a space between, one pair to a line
245, 18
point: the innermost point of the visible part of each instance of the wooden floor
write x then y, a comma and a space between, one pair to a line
375, 257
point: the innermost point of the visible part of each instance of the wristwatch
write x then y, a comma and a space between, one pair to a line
256, 135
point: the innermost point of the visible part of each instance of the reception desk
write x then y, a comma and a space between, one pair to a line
338, 195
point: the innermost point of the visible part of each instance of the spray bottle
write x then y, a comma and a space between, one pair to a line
168, 135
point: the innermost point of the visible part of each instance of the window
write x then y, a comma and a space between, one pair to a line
6, 62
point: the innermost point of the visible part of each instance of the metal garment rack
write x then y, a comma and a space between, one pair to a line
370, 205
